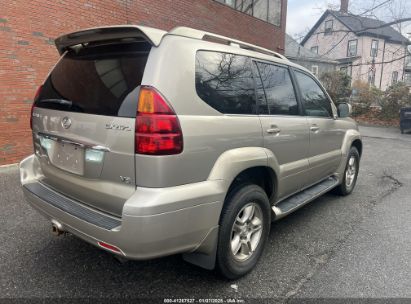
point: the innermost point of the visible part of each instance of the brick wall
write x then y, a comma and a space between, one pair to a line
27, 52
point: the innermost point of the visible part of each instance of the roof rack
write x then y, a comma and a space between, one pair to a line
202, 35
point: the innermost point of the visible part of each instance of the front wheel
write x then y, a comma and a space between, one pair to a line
244, 228
351, 173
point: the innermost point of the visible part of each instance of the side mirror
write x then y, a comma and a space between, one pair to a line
344, 110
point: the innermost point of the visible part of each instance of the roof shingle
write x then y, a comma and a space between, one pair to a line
362, 26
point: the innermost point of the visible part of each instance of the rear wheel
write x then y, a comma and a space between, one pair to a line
244, 227
350, 173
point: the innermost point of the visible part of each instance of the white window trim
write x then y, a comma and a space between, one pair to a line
314, 47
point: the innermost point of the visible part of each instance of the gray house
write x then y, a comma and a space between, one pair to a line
312, 61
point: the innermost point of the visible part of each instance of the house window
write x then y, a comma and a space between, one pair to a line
328, 27
260, 9
245, 6
274, 12
352, 48
266, 10
394, 77
314, 70
374, 48
371, 77
227, 2
314, 49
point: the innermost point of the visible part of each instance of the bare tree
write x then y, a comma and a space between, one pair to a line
397, 16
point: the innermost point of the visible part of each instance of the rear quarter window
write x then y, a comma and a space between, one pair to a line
225, 82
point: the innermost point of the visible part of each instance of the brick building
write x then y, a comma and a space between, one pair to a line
27, 52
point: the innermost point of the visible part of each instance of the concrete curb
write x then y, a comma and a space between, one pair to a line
9, 168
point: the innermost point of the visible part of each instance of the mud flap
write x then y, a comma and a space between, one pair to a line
205, 255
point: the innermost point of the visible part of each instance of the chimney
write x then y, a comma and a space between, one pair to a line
344, 6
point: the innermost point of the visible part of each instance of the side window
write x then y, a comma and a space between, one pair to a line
315, 102
225, 82
278, 89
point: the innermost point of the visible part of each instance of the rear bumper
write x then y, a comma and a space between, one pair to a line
155, 221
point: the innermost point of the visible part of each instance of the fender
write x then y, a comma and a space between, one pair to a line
233, 162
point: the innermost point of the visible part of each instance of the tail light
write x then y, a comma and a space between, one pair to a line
32, 105
158, 130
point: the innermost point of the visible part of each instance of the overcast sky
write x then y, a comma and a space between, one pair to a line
303, 14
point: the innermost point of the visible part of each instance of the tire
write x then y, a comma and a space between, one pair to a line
349, 180
402, 131
233, 233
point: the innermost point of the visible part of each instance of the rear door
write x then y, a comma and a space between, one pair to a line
325, 134
83, 123
285, 130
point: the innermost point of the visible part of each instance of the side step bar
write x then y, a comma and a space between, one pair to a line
302, 198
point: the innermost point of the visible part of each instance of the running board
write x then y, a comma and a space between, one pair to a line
302, 198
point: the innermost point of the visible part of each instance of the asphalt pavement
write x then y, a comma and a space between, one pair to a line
357, 246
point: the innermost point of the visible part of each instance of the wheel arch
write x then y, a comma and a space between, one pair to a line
250, 164
262, 176
357, 143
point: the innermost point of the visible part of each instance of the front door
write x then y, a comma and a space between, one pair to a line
325, 135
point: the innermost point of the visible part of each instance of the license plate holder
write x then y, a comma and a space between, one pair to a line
67, 157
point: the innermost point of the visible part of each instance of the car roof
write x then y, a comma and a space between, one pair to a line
155, 36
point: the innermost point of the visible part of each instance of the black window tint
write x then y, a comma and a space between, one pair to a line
314, 100
96, 80
225, 82
278, 88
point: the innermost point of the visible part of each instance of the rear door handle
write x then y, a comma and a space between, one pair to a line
273, 130
314, 128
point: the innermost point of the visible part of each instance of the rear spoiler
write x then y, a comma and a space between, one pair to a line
151, 35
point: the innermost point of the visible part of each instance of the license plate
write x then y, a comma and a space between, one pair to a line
67, 157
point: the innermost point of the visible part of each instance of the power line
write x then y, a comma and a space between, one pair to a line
363, 29
381, 62
375, 7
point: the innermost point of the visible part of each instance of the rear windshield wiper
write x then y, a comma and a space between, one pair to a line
63, 102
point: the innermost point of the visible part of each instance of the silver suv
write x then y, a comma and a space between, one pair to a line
150, 143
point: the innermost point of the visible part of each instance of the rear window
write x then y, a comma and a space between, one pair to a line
225, 82
100, 80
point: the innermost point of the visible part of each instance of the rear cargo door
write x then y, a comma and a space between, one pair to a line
83, 123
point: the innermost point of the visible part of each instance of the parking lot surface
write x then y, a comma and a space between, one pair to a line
355, 246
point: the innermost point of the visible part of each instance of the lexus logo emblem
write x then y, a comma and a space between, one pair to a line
66, 122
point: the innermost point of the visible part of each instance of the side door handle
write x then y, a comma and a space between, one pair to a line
273, 130
314, 128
